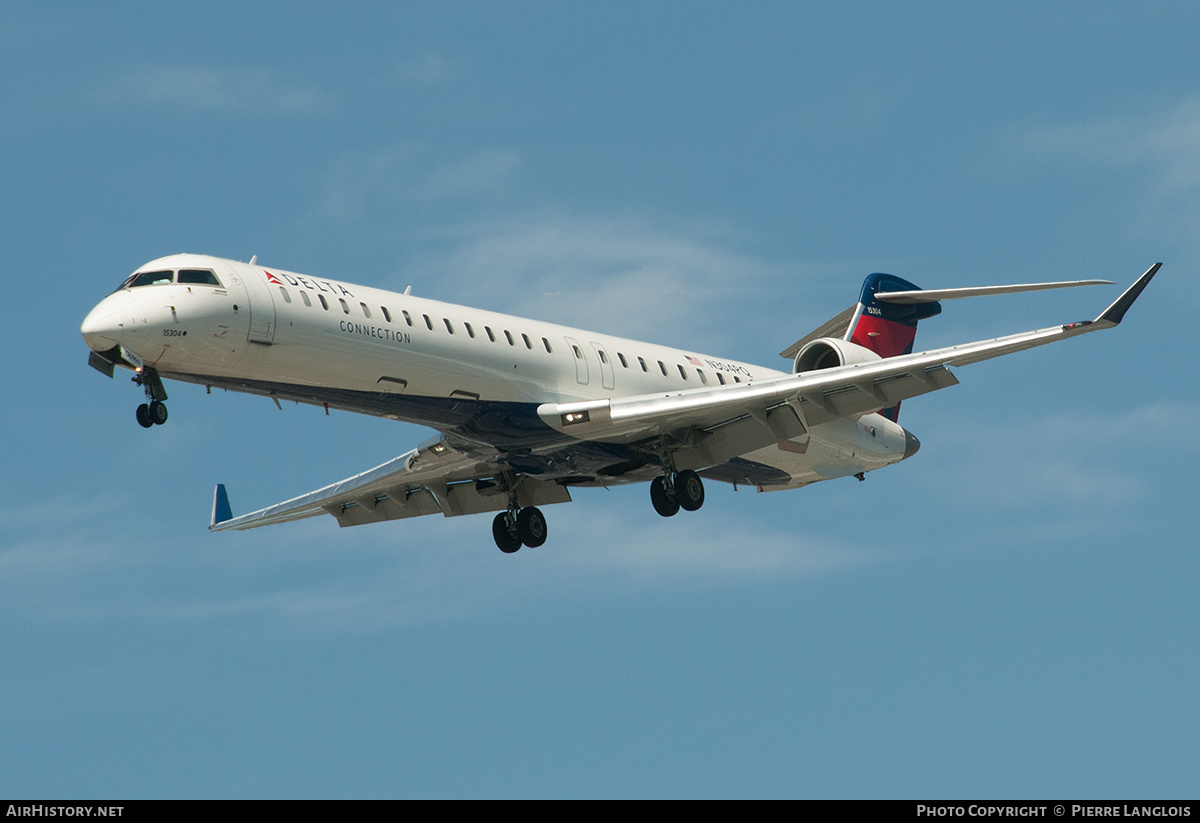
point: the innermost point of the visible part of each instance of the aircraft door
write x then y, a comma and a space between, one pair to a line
259, 302
581, 366
606, 366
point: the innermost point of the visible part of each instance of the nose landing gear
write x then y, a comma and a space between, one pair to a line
154, 411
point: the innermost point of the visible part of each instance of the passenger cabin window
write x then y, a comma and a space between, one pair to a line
324, 302
428, 322
201, 276
449, 327
287, 298
578, 353
603, 357
682, 373
387, 315
345, 308
528, 345
642, 363
490, 334
662, 368
621, 357
366, 311
703, 379
304, 297
470, 331
508, 335
407, 317
721, 378
546, 343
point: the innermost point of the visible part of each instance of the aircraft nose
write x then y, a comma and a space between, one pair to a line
100, 328
911, 444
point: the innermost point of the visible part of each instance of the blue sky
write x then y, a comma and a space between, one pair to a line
1009, 614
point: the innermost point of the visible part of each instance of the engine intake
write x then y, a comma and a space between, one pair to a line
829, 353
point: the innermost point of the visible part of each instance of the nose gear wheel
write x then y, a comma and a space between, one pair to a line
154, 411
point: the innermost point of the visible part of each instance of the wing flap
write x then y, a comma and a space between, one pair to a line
404, 504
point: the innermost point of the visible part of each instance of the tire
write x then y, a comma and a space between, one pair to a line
505, 540
689, 490
531, 527
662, 500
143, 416
157, 413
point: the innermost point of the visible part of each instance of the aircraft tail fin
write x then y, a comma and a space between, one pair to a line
886, 327
883, 327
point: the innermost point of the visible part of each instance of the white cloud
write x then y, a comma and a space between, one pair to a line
638, 276
404, 176
427, 67
355, 180
627, 275
449, 569
1067, 460
481, 173
1163, 147
693, 549
407, 572
254, 91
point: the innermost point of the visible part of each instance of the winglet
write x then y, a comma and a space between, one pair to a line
220, 510
1116, 312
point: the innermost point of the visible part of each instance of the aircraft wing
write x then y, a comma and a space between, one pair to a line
431, 479
815, 396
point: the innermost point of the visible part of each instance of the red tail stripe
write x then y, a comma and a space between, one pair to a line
887, 338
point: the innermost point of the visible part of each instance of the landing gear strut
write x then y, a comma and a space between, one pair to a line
662, 496
677, 490
154, 411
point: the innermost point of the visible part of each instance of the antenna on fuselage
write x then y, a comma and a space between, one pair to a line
408, 290
253, 259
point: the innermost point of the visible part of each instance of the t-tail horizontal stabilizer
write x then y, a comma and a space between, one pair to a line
931, 295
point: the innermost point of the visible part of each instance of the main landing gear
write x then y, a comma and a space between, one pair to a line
154, 411
677, 490
519, 527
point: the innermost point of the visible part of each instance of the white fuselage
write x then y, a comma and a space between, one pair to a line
458, 369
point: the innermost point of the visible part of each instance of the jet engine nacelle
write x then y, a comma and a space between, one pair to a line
830, 352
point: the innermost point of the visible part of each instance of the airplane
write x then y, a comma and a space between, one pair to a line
527, 411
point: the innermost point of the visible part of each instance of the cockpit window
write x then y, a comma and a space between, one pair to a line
198, 276
159, 278
150, 278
